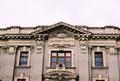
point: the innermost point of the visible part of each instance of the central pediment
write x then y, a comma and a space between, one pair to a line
61, 26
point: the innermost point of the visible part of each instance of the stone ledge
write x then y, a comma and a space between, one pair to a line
100, 67
23, 66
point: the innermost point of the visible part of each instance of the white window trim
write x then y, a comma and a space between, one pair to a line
18, 58
93, 58
94, 79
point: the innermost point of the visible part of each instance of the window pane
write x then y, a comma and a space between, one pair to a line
98, 55
98, 64
53, 59
24, 54
23, 58
23, 61
98, 59
53, 64
54, 54
68, 64
67, 59
61, 54
68, 54
61, 60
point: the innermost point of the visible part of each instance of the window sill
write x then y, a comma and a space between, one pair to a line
65, 68
100, 67
23, 66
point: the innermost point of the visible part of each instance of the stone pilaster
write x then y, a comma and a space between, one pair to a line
38, 60
83, 61
113, 64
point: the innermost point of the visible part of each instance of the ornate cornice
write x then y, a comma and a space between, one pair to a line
84, 37
22, 36
105, 36
77, 36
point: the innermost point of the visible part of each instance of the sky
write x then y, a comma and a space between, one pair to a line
47, 12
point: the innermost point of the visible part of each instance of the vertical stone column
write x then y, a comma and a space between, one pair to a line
83, 61
113, 64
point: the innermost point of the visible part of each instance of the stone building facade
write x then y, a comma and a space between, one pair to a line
60, 52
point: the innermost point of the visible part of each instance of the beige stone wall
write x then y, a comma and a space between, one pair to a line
39, 48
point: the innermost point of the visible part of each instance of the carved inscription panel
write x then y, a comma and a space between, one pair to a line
61, 41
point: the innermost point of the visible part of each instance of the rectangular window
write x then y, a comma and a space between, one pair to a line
21, 79
98, 59
23, 58
61, 57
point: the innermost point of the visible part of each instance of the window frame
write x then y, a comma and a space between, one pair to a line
93, 59
101, 57
57, 57
23, 57
18, 58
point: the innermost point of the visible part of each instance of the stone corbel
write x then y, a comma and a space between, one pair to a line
112, 50
24, 48
12, 49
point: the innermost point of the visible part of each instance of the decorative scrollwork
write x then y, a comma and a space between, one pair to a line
60, 75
